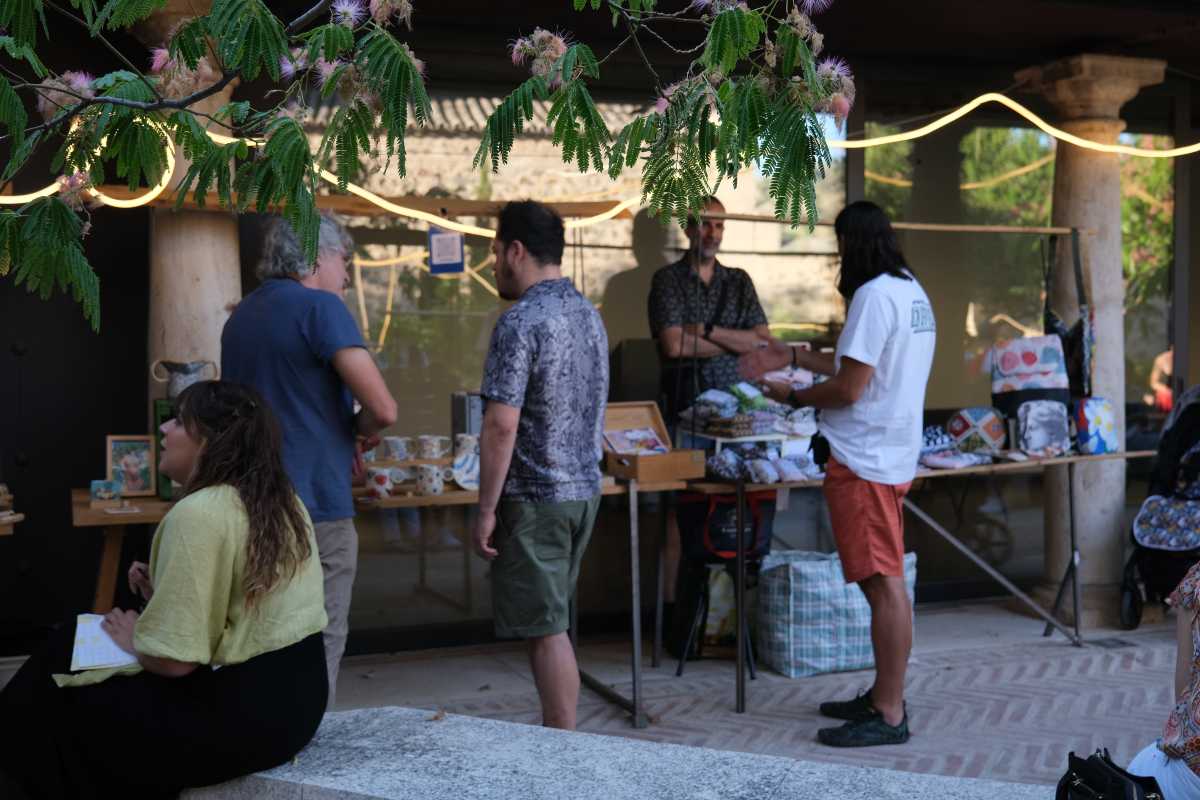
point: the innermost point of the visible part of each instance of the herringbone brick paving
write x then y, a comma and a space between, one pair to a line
1006, 712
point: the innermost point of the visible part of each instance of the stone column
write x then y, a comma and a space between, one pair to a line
195, 268
1088, 91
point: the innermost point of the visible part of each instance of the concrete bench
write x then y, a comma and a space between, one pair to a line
417, 755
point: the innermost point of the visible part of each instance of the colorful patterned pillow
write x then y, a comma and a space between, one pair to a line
1168, 523
1035, 362
1044, 427
1096, 426
978, 428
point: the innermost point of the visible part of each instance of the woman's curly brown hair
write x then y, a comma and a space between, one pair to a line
241, 446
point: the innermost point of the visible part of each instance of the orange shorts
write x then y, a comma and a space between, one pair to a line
868, 523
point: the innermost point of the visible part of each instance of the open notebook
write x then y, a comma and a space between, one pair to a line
95, 649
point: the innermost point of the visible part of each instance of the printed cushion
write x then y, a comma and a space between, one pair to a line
1035, 362
1168, 523
936, 438
977, 429
1096, 426
1045, 431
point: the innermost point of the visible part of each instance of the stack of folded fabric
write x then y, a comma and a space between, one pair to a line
749, 397
715, 403
731, 427
762, 465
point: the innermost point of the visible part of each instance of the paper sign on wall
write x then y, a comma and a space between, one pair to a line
445, 251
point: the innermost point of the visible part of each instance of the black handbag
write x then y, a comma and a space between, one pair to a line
1098, 778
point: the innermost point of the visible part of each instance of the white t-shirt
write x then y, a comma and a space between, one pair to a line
890, 327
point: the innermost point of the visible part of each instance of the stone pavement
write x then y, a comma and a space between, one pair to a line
988, 697
405, 753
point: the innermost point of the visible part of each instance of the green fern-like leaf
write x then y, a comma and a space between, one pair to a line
19, 156
123, 13
23, 52
190, 42
734, 34
10, 240
627, 147
328, 41
20, 18
507, 121
47, 254
673, 179
795, 157
249, 37
12, 113
579, 129
87, 8
388, 71
347, 135
138, 147
577, 57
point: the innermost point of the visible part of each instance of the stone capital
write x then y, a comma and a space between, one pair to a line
1092, 86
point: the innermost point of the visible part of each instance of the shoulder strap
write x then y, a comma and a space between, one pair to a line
1077, 262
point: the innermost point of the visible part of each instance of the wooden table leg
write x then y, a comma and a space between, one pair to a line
110, 563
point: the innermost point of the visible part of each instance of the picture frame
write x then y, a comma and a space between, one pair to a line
130, 461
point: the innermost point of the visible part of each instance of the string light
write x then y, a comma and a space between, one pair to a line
1020, 110
987, 183
474, 230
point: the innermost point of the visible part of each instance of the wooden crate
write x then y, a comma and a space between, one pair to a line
676, 465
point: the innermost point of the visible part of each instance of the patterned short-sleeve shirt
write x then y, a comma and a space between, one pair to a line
678, 297
1181, 738
549, 358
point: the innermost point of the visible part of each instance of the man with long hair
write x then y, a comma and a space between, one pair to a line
293, 340
546, 382
871, 412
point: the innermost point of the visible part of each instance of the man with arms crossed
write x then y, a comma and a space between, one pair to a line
545, 382
704, 313
872, 410
294, 340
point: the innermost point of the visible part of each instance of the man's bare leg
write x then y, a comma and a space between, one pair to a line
891, 639
556, 675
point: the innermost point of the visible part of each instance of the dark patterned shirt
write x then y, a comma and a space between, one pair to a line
549, 358
678, 297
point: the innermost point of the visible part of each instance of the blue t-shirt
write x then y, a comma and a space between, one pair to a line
281, 340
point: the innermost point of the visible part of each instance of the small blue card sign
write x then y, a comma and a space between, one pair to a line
445, 251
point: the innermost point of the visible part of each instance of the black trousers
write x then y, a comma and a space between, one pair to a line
153, 736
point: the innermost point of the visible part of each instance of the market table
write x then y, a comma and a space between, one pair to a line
631, 489
740, 488
140, 511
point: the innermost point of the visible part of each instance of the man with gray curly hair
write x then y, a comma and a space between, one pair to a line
295, 341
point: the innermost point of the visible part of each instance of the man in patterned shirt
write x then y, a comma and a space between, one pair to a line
545, 382
704, 315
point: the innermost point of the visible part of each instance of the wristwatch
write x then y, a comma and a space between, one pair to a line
708, 329
794, 352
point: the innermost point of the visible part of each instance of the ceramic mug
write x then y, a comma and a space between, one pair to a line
466, 443
447, 474
368, 456
400, 475
398, 448
434, 446
429, 479
379, 481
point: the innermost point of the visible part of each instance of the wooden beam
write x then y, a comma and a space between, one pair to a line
449, 207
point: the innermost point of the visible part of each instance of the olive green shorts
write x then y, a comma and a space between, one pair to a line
533, 578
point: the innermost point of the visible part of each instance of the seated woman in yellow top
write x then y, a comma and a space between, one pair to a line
230, 674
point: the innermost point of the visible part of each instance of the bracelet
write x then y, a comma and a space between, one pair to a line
708, 329
794, 353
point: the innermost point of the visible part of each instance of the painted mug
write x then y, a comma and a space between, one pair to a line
379, 481
466, 443
430, 480
398, 448
400, 475
434, 446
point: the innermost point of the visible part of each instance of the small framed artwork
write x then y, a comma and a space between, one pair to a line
131, 465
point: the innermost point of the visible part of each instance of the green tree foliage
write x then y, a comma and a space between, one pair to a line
749, 98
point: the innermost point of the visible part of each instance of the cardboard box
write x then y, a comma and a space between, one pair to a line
674, 465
